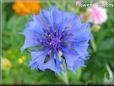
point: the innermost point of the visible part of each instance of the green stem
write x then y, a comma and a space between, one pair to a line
64, 75
93, 44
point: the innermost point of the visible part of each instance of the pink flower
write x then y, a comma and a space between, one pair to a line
98, 14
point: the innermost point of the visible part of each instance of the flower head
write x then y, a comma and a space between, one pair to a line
98, 14
56, 32
23, 7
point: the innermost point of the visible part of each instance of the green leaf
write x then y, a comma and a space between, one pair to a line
74, 77
106, 44
17, 23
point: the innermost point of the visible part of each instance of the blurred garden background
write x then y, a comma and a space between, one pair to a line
15, 69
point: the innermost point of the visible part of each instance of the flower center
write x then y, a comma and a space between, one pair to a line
55, 42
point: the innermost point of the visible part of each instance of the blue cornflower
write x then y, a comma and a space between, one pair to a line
53, 32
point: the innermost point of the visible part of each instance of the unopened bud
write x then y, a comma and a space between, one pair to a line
95, 28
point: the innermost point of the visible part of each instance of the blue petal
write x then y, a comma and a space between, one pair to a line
79, 63
32, 33
56, 18
48, 18
81, 33
68, 20
57, 15
61, 19
81, 49
70, 60
38, 58
58, 62
34, 25
31, 40
49, 65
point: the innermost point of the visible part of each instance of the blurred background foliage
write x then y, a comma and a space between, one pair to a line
15, 70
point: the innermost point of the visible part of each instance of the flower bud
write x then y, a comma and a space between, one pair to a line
95, 28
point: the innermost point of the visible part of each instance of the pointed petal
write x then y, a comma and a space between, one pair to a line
79, 63
83, 33
32, 33
29, 43
81, 49
49, 65
70, 60
38, 58
58, 62
34, 25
